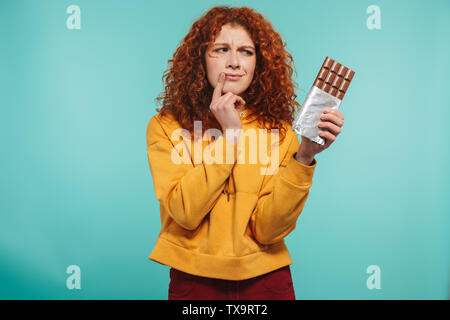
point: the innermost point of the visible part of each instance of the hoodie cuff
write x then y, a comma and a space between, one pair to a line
298, 173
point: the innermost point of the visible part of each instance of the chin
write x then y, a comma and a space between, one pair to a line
236, 91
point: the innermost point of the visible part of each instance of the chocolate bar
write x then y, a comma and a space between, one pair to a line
334, 78
327, 91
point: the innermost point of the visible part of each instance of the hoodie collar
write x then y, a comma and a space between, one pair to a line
247, 115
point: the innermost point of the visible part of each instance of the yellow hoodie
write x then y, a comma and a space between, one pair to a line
225, 220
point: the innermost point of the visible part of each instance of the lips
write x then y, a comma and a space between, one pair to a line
235, 77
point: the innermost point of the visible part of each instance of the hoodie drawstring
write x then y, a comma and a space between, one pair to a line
227, 188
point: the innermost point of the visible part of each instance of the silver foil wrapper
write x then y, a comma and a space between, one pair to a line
306, 121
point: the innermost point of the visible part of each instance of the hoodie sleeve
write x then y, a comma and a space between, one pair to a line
282, 198
185, 192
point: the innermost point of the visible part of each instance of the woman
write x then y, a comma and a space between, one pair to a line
224, 217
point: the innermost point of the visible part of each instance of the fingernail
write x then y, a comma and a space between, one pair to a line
221, 76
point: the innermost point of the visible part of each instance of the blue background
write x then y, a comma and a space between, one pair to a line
76, 188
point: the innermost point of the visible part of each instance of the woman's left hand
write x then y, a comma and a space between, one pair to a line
330, 124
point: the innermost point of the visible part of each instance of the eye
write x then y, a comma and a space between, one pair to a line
248, 52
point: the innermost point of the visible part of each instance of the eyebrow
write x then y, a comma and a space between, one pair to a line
226, 44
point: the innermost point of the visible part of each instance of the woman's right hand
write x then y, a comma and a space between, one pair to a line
224, 106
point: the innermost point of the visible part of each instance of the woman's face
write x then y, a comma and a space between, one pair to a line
233, 52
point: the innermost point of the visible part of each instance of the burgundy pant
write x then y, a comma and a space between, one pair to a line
275, 285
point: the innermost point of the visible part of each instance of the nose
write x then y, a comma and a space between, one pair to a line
233, 60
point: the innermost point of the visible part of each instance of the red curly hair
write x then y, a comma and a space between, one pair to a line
271, 95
